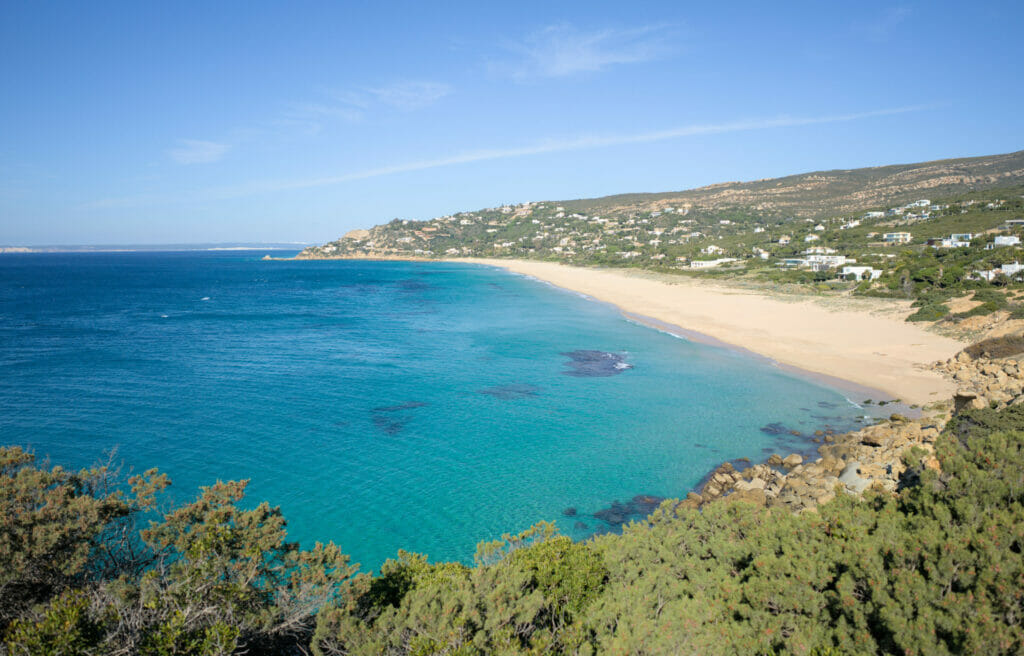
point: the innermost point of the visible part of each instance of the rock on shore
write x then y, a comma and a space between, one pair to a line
984, 382
851, 463
869, 458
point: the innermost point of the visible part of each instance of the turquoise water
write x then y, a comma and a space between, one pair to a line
388, 405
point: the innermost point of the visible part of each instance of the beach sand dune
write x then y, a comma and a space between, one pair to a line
865, 341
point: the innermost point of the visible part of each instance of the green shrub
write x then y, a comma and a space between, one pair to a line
931, 312
936, 568
997, 347
983, 310
996, 298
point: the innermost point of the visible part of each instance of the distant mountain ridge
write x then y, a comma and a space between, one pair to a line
827, 193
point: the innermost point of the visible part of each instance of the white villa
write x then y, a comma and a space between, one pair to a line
861, 272
897, 237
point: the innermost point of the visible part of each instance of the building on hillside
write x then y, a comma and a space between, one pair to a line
821, 262
1003, 240
1010, 270
819, 250
711, 264
897, 237
860, 272
811, 237
874, 215
712, 250
947, 242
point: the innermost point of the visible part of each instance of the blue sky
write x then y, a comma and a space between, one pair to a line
143, 122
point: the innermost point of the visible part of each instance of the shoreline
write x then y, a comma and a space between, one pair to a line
855, 345
833, 346
854, 392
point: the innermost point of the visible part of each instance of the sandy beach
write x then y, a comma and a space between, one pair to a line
864, 341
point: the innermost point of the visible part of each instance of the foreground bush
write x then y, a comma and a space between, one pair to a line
937, 569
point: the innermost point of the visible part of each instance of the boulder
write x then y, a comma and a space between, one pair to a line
792, 460
850, 477
756, 497
965, 399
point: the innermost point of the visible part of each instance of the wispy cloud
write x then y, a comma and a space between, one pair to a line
539, 148
565, 145
562, 50
883, 26
194, 151
410, 96
353, 105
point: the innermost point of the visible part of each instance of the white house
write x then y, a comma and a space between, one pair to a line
826, 261
710, 264
812, 237
897, 237
874, 215
784, 239
819, 228
1012, 269
712, 250
1003, 240
819, 250
1009, 270
861, 272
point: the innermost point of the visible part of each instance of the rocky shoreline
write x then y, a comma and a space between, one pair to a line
869, 458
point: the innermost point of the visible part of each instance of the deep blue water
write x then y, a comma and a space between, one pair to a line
382, 405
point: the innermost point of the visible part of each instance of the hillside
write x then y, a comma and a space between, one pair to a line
825, 193
652, 224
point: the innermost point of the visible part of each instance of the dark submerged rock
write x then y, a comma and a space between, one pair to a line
775, 428
408, 405
511, 392
595, 364
389, 425
636, 508
389, 418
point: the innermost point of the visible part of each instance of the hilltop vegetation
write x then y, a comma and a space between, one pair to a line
885, 231
937, 568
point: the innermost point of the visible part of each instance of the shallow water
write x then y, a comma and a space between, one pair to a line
382, 405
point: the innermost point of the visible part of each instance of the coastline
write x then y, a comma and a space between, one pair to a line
854, 392
856, 349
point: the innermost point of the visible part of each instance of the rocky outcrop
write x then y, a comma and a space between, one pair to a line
850, 464
983, 382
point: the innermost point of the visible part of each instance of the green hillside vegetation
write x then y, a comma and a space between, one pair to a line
741, 231
88, 565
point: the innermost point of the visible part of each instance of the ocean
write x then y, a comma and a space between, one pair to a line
381, 405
